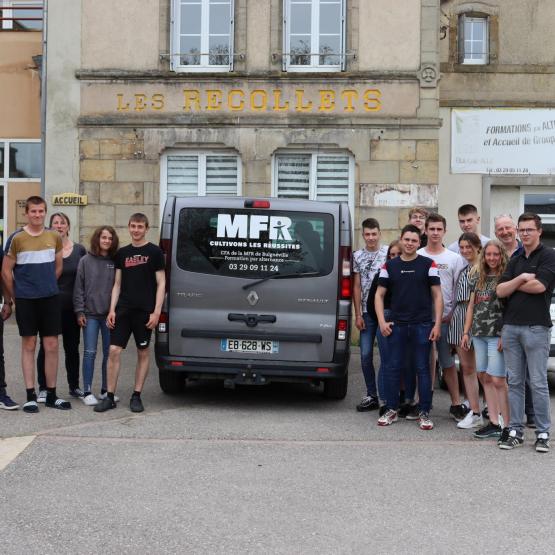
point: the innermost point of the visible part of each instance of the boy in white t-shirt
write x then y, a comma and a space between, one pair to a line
450, 266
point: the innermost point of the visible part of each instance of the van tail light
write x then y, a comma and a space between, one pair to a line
255, 203
345, 276
163, 323
166, 246
342, 330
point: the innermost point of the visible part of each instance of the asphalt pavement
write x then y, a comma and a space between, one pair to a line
273, 469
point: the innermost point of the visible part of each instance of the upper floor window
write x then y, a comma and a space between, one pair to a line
473, 40
20, 159
202, 35
21, 15
314, 35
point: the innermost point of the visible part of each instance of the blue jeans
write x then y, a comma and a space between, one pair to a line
405, 338
384, 357
90, 338
367, 337
524, 345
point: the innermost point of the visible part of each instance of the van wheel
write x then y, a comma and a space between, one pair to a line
171, 383
336, 388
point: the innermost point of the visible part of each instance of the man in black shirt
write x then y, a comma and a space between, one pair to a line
528, 284
135, 307
413, 282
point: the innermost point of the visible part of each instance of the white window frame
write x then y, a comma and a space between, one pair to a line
202, 154
546, 218
315, 38
6, 177
484, 59
312, 189
7, 11
175, 60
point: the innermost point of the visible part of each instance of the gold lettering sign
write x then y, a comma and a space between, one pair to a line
69, 199
259, 100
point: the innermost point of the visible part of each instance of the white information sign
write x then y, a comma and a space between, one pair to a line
503, 141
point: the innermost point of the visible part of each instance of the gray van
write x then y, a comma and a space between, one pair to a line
257, 290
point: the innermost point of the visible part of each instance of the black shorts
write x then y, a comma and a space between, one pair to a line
131, 320
43, 316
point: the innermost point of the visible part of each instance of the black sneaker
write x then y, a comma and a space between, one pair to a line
57, 403
77, 393
104, 405
404, 409
512, 441
414, 413
135, 404
542, 443
485, 413
368, 403
504, 436
458, 412
488, 431
530, 421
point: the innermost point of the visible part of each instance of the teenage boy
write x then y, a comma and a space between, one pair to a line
413, 283
528, 284
135, 307
30, 271
417, 217
6, 402
366, 263
505, 231
469, 222
450, 266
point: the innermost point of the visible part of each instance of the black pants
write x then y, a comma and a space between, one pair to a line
71, 333
2, 365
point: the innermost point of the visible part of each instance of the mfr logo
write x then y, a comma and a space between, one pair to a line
244, 226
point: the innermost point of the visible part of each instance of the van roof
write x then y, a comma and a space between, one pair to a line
297, 205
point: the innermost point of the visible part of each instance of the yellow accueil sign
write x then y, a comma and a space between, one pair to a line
69, 199
300, 100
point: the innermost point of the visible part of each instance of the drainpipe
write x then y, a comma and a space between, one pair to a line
43, 97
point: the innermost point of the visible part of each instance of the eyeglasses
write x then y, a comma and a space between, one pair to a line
527, 231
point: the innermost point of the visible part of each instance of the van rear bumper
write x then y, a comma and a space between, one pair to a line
253, 370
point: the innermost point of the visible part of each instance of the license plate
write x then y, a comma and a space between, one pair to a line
262, 346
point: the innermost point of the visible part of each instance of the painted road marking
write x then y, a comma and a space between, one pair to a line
11, 447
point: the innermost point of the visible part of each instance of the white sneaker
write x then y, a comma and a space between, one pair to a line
104, 395
90, 400
471, 420
41, 397
467, 404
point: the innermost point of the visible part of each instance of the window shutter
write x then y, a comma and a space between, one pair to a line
332, 178
183, 172
293, 175
221, 175
460, 38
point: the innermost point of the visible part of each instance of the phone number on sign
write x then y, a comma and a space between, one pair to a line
254, 267
508, 170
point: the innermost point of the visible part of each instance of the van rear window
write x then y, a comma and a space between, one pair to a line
254, 243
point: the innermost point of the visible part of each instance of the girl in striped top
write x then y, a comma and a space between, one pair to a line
469, 248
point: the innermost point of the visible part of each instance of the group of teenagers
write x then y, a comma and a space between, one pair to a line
485, 300
58, 288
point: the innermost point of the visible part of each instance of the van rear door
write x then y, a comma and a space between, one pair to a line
254, 280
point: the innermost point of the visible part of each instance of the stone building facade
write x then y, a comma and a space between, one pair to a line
498, 110
332, 99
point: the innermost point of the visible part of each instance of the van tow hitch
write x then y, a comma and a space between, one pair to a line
245, 377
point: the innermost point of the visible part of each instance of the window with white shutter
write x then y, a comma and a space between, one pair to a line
314, 176
192, 174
